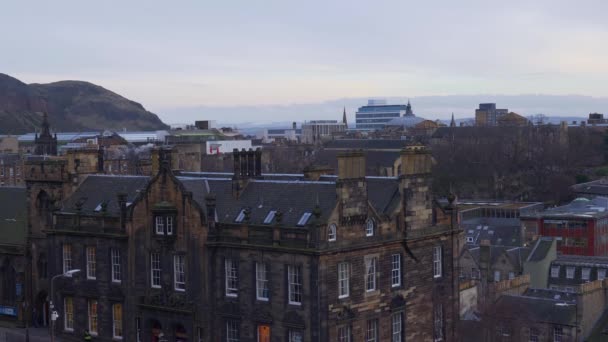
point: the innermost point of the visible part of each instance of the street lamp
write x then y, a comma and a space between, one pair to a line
67, 274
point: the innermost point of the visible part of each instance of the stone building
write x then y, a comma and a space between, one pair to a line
45, 143
253, 257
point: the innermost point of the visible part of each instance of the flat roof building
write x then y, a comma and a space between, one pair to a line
377, 114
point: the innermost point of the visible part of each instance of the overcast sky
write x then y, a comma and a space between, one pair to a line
168, 54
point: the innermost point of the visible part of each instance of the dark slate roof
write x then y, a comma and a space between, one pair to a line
594, 263
541, 248
517, 255
292, 197
597, 187
497, 235
97, 189
376, 144
13, 216
596, 207
534, 309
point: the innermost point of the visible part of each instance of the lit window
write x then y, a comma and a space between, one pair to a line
67, 258
343, 280
601, 273
232, 278
371, 331
169, 225
396, 270
331, 232
91, 262
179, 273
370, 273
369, 227
68, 313
232, 331
570, 272
437, 262
117, 321
294, 277
438, 322
558, 334
155, 270
270, 217
116, 274
241, 216
295, 336
304, 219
344, 334
93, 317
397, 327
263, 333
554, 271
586, 273
160, 225
261, 281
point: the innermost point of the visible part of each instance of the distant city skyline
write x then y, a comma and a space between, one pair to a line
221, 54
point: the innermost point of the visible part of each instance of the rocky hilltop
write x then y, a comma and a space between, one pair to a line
71, 106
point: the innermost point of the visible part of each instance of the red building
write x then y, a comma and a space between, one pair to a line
581, 226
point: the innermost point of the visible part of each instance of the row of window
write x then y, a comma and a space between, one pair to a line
93, 317
91, 262
585, 272
332, 230
294, 277
179, 271
557, 333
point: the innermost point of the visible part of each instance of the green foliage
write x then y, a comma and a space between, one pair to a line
581, 179
602, 171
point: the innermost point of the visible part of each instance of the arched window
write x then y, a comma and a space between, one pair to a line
331, 232
370, 226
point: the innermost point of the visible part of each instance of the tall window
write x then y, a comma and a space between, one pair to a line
396, 270
369, 227
295, 336
397, 327
534, 335
137, 330
91, 262
371, 331
343, 280
115, 255
160, 225
344, 333
232, 331
437, 262
294, 277
68, 313
67, 257
232, 278
261, 281
497, 276
93, 317
558, 334
263, 333
179, 273
554, 271
370, 273
331, 232
117, 320
438, 322
586, 273
155, 270
601, 273
169, 225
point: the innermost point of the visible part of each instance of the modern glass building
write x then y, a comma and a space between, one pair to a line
377, 114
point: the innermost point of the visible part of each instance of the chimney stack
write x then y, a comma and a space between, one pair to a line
351, 187
122, 204
416, 165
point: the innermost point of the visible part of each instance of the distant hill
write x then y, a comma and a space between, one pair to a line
71, 106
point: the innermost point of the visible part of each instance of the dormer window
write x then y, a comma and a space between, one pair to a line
331, 232
164, 224
270, 217
370, 227
240, 217
304, 219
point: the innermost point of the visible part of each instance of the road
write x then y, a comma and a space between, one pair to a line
18, 335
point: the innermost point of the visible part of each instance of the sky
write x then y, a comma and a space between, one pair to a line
180, 54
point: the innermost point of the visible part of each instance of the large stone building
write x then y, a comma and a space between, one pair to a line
256, 257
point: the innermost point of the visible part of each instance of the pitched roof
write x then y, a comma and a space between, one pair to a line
516, 255
98, 189
13, 216
541, 248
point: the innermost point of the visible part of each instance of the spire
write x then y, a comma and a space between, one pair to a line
408, 109
45, 125
453, 123
344, 117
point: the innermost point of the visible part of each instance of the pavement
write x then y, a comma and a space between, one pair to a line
18, 335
